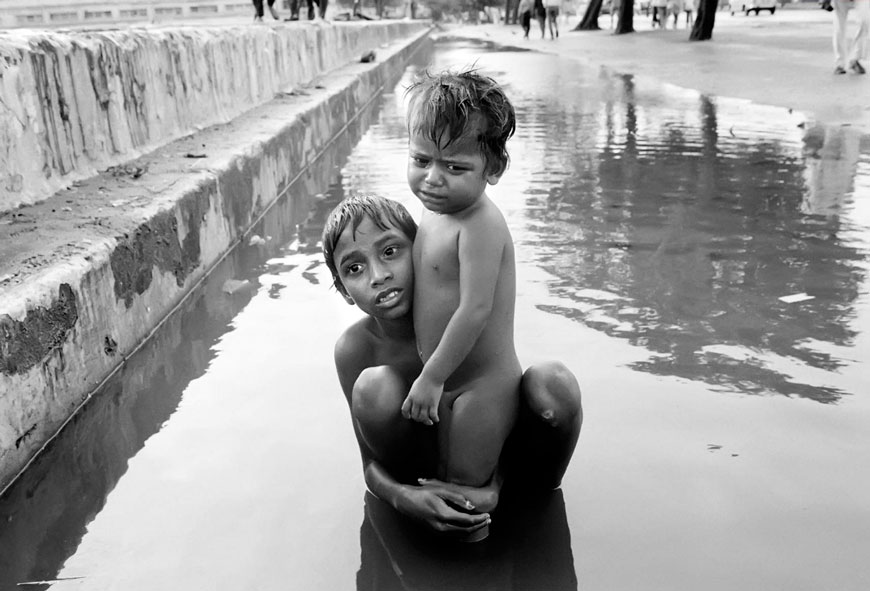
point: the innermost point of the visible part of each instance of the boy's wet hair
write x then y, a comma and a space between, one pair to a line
384, 213
454, 106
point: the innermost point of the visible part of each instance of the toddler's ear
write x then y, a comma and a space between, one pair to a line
495, 175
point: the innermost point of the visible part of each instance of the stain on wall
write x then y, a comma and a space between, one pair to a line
25, 343
157, 243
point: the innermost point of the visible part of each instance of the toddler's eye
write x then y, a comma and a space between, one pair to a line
391, 251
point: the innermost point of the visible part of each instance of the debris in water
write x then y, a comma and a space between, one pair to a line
234, 286
796, 297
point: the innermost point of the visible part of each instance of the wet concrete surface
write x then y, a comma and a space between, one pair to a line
656, 230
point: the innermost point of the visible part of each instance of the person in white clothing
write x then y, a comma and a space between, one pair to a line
552, 7
846, 52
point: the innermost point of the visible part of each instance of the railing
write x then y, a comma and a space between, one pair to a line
16, 13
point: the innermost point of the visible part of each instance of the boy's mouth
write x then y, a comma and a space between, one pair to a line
388, 296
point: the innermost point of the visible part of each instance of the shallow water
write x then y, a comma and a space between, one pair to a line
726, 436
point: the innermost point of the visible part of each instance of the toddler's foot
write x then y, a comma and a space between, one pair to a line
856, 67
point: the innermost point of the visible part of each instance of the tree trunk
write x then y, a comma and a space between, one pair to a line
590, 17
626, 18
702, 29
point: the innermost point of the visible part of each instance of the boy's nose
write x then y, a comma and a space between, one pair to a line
380, 273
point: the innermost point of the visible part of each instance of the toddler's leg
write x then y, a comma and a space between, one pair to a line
404, 447
477, 425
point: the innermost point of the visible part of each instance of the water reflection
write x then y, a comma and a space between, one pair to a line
682, 242
45, 513
529, 548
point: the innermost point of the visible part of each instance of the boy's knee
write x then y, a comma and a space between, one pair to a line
552, 393
378, 393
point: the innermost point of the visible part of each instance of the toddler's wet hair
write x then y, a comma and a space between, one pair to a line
384, 213
454, 106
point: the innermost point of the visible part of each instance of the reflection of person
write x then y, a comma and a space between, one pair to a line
530, 549
367, 244
831, 154
846, 52
525, 11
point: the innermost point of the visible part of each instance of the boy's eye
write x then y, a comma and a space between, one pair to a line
455, 168
391, 251
419, 161
352, 269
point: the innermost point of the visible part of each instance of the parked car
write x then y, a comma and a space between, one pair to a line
756, 6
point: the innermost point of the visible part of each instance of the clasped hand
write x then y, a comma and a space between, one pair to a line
422, 401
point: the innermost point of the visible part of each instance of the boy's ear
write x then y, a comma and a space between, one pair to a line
344, 294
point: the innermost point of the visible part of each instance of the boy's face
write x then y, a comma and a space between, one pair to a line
447, 180
376, 269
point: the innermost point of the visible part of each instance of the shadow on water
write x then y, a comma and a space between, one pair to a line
529, 548
45, 513
684, 239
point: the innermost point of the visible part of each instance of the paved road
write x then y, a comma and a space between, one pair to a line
785, 60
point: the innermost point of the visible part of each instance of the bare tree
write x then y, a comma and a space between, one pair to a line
702, 28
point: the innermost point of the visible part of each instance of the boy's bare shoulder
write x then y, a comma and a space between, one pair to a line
356, 343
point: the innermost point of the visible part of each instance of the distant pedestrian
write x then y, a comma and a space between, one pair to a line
552, 7
675, 9
258, 10
850, 53
659, 13
539, 13
525, 12
321, 8
615, 6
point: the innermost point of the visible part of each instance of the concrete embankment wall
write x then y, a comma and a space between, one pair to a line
74, 103
87, 274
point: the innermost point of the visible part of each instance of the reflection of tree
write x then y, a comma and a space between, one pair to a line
698, 237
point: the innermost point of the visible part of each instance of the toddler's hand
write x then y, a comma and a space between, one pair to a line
421, 404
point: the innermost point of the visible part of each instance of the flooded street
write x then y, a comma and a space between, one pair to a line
657, 231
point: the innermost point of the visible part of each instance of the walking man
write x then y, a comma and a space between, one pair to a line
848, 53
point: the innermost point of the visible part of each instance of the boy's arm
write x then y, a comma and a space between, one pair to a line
479, 265
426, 505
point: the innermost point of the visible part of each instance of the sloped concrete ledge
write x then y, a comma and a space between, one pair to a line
73, 103
87, 275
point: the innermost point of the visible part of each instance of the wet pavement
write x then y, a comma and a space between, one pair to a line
657, 229
785, 59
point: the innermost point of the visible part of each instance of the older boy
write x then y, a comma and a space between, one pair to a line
367, 244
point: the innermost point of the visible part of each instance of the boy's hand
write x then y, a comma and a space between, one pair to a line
422, 402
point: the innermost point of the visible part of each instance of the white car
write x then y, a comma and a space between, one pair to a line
756, 6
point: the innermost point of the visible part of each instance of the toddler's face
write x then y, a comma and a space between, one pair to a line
376, 269
447, 180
